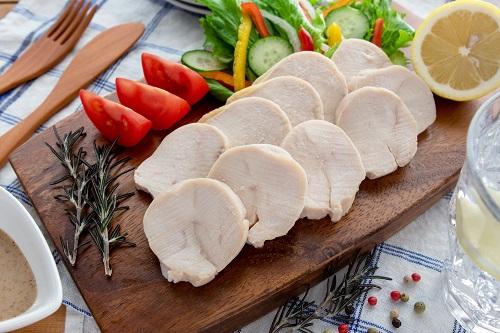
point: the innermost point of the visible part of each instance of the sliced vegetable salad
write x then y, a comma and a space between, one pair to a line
244, 38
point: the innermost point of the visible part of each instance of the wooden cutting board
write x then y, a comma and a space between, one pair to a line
138, 299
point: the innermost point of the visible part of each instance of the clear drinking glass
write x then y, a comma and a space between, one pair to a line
473, 273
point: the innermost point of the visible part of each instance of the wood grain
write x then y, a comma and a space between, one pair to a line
88, 63
137, 298
51, 324
6, 7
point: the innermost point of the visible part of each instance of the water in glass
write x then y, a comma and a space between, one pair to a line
473, 273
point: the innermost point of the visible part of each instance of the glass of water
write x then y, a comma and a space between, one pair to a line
473, 273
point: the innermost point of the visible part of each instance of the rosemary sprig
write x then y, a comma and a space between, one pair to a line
76, 192
92, 194
294, 315
106, 202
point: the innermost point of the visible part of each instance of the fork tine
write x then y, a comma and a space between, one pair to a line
80, 15
61, 18
77, 31
69, 20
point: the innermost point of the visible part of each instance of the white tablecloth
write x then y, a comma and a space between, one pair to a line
419, 247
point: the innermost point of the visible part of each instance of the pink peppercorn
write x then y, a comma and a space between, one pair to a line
395, 295
344, 328
416, 277
372, 300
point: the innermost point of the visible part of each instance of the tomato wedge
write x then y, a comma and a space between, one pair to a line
174, 77
161, 107
114, 120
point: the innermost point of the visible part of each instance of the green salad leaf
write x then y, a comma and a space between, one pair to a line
221, 27
220, 49
397, 33
218, 90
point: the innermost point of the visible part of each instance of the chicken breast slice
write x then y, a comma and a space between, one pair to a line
319, 71
381, 127
407, 85
271, 185
188, 152
332, 164
196, 229
250, 120
356, 55
297, 98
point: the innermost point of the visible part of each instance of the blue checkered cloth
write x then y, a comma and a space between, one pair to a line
421, 247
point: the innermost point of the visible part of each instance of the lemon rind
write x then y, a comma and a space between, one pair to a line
444, 90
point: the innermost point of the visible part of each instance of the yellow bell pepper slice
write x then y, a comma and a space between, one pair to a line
334, 34
240, 52
336, 5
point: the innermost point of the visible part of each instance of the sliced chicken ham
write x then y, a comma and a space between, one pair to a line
381, 127
316, 69
356, 55
271, 185
407, 85
332, 164
250, 120
297, 98
196, 229
188, 152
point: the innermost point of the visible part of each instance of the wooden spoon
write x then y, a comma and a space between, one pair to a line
88, 63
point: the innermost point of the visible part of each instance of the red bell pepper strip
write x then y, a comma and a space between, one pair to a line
253, 11
378, 30
306, 41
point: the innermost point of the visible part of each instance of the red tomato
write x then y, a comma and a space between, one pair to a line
114, 120
161, 107
174, 77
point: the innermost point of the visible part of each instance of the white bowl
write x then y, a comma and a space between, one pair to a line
20, 226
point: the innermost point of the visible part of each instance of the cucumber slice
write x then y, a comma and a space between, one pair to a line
266, 52
202, 61
352, 21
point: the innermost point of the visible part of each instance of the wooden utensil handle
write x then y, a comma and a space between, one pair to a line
7, 82
23, 131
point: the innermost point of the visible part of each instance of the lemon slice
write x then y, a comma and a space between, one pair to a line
456, 49
478, 231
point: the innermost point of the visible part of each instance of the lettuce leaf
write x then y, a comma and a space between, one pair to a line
218, 90
221, 27
397, 33
223, 51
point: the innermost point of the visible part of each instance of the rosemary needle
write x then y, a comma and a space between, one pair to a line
75, 193
295, 314
92, 192
106, 202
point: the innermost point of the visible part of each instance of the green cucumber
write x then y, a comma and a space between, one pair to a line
202, 61
352, 22
265, 52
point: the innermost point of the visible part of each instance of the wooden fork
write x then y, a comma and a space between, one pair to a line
52, 47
